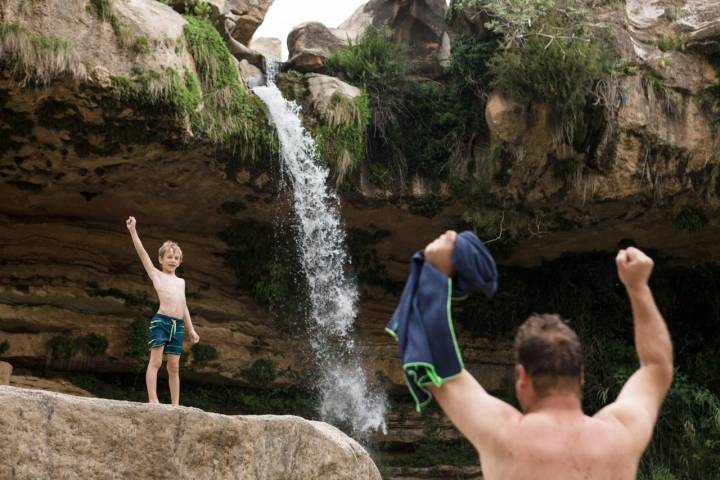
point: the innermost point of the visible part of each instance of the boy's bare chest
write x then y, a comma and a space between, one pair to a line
167, 287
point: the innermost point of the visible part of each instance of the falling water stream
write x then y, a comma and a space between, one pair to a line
345, 396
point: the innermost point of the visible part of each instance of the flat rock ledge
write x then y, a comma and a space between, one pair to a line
53, 435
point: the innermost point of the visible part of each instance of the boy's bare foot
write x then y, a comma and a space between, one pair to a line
154, 401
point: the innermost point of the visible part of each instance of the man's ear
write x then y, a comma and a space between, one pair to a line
521, 374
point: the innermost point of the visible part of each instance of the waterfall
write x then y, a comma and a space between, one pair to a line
345, 396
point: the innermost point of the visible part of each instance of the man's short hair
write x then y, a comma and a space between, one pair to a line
170, 246
550, 352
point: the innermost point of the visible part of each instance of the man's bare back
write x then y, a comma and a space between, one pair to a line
553, 438
548, 446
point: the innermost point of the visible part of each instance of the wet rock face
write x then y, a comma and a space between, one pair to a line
80, 432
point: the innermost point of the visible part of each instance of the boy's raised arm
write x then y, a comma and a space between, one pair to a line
144, 257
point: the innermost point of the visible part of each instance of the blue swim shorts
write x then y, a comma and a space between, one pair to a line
167, 332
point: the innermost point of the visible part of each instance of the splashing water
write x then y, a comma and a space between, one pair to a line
345, 396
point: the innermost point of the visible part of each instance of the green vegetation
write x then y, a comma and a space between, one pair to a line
261, 372
37, 59
202, 353
690, 220
230, 116
342, 139
217, 106
534, 52
672, 42
103, 9
166, 91
655, 86
411, 121
130, 299
138, 339
201, 9
266, 265
585, 289
4, 347
225, 399
428, 453
66, 346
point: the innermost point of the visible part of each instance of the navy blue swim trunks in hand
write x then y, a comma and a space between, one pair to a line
168, 332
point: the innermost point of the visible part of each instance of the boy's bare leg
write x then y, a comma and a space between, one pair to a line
154, 365
173, 368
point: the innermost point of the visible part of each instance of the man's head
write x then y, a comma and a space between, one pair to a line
548, 359
170, 256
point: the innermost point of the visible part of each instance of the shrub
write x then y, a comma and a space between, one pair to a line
66, 346
690, 220
92, 344
671, 42
138, 339
261, 372
202, 353
62, 347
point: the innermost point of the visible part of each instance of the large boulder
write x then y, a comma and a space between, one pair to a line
237, 18
310, 44
324, 92
95, 438
418, 24
506, 118
270, 47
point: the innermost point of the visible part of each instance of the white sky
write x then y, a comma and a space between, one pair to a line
284, 15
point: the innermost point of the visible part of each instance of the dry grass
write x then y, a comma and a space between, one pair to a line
37, 59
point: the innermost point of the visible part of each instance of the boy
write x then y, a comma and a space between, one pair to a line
168, 325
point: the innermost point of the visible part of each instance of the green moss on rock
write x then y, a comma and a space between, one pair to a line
36, 58
230, 114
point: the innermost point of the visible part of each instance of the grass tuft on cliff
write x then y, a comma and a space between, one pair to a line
341, 140
37, 59
230, 114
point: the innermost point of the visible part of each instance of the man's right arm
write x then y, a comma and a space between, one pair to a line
638, 404
477, 414
144, 257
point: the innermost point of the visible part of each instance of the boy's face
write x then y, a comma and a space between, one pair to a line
170, 261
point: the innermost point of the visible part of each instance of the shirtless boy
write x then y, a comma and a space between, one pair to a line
552, 438
167, 327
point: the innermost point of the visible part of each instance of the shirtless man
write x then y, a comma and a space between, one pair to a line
552, 438
167, 327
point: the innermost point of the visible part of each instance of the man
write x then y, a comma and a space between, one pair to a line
552, 438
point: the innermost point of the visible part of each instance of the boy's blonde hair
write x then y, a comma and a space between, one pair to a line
172, 246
